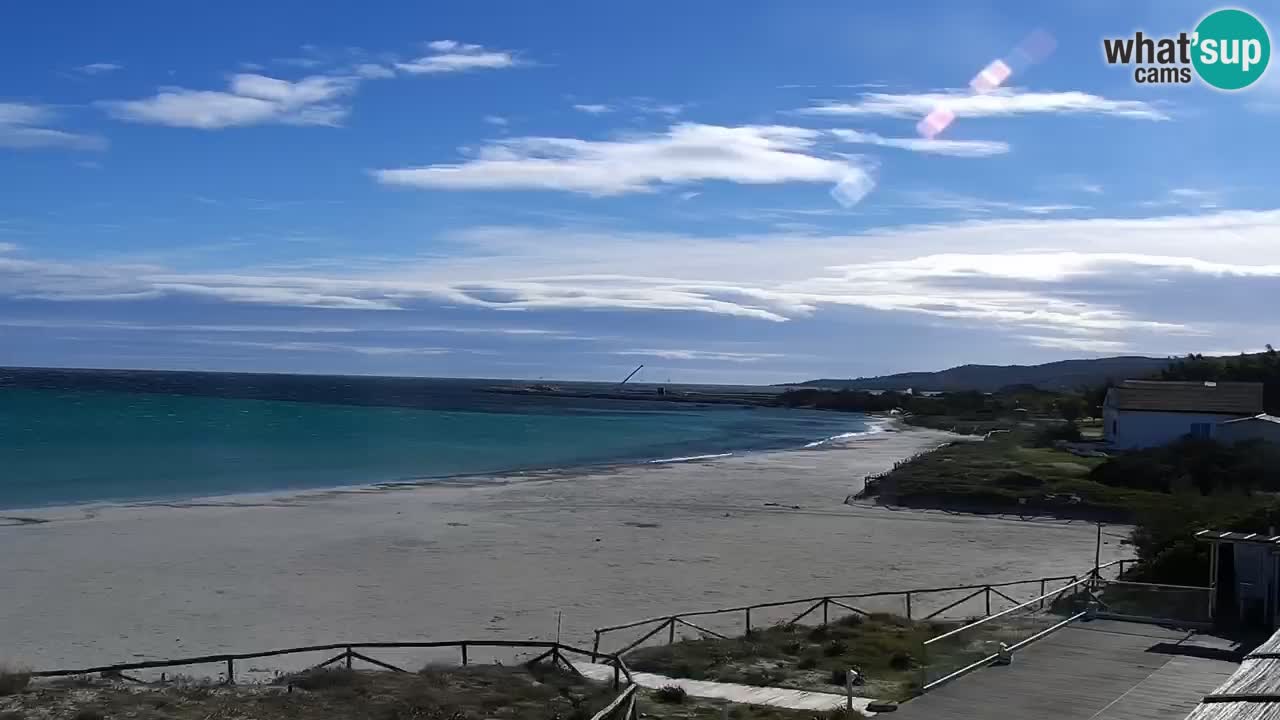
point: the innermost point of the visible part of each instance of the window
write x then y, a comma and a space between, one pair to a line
1201, 430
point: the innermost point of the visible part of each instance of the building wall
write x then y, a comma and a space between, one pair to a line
1131, 429
1249, 430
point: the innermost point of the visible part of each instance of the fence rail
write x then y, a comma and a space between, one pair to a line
553, 651
980, 634
623, 707
993, 596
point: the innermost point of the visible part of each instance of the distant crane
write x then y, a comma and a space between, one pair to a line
633, 374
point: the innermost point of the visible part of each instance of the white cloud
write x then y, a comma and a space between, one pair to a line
1154, 284
496, 120
99, 68
701, 355
954, 148
251, 99
373, 71
653, 107
940, 200
1188, 198
593, 108
1092, 345
287, 346
997, 104
23, 127
686, 153
8, 247
449, 56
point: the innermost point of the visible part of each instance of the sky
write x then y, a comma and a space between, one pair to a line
731, 192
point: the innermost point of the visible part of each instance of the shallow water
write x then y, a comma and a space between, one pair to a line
87, 436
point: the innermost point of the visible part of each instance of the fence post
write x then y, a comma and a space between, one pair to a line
924, 665
595, 649
616, 672
1041, 593
231, 671
748, 633
908, 606
464, 655
671, 631
826, 602
988, 601
348, 657
848, 689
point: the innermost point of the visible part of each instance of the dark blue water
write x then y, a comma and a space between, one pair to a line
80, 436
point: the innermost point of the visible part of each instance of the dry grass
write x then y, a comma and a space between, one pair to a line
472, 693
702, 709
884, 648
13, 680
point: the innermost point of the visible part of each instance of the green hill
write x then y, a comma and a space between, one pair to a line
1062, 375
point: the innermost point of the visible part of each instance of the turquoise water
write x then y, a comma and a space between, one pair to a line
63, 446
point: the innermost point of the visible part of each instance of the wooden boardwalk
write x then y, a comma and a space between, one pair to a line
1100, 670
731, 692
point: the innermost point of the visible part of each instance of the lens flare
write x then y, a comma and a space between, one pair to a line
1032, 49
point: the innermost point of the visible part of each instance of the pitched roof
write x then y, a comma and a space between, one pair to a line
1233, 398
1261, 417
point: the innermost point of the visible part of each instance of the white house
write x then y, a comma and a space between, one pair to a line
1259, 427
1147, 413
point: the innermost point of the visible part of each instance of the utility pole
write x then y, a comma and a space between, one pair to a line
1097, 556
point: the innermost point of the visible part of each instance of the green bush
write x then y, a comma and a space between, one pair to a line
13, 681
1197, 466
671, 694
1050, 434
323, 678
902, 661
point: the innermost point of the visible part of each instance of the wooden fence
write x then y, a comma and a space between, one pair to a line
993, 595
553, 652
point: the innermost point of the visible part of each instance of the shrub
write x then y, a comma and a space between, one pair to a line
838, 677
323, 678
1017, 480
13, 681
671, 694
760, 677
89, 713
808, 662
1050, 434
835, 648
902, 661
11, 715
794, 647
818, 634
853, 620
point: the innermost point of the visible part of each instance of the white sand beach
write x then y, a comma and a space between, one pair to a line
89, 585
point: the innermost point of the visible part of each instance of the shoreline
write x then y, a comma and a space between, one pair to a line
491, 559
876, 424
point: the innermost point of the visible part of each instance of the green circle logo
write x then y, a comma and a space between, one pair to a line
1231, 49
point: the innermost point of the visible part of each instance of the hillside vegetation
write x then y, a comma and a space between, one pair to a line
1062, 376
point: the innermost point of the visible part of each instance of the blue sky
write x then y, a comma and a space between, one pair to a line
724, 191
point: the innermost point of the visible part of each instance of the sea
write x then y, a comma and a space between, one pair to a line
85, 436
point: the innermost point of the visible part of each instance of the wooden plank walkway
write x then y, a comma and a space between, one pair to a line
1100, 670
731, 692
